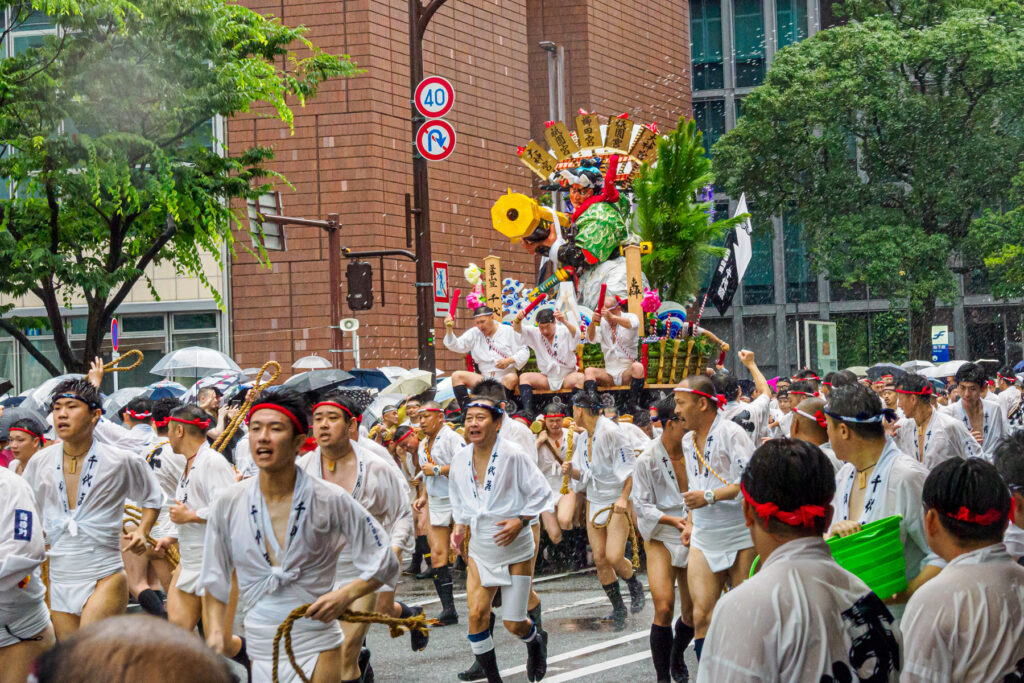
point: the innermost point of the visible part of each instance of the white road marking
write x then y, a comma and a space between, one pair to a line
600, 667
583, 651
431, 601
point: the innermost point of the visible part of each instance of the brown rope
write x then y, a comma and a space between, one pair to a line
568, 454
396, 626
115, 365
134, 516
632, 532
258, 386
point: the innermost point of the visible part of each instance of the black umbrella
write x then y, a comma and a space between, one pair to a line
5, 385
879, 370
316, 381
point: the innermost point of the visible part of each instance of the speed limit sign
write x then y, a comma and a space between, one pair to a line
435, 97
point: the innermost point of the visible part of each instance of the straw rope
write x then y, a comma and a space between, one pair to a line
396, 627
632, 532
115, 365
568, 454
225, 438
134, 516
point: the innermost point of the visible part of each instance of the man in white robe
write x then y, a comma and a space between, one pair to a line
25, 629
925, 434
554, 346
983, 418
877, 481
810, 425
379, 488
602, 465
802, 617
618, 332
967, 623
716, 450
659, 482
493, 347
80, 489
281, 533
205, 476
436, 451
1009, 460
496, 490
1009, 392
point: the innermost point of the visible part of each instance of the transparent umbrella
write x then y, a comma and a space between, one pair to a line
317, 380
119, 399
38, 399
313, 362
194, 361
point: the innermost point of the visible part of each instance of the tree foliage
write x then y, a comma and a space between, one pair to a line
886, 137
107, 128
674, 216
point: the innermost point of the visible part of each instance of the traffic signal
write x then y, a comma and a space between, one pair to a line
359, 275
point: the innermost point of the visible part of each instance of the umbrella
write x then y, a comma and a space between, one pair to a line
1019, 367
12, 415
5, 385
916, 365
38, 399
374, 410
990, 365
119, 399
221, 381
313, 362
165, 388
317, 380
445, 392
411, 383
12, 401
859, 370
947, 369
392, 372
878, 370
194, 361
369, 378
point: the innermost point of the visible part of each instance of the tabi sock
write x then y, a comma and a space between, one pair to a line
661, 651
698, 645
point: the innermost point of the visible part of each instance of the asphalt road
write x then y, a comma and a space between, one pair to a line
580, 647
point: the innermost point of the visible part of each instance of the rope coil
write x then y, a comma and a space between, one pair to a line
115, 365
632, 532
258, 386
396, 627
133, 515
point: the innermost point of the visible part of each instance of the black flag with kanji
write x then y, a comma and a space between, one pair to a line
733, 265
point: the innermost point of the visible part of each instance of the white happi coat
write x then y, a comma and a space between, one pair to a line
209, 476
604, 460
519, 434
378, 450
1008, 398
994, 426
1015, 416
619, 352
1014, 540
23, 612
487, 351
894, 489
379, 488
323, 521
656, 493
446, 444
85, 543
167, 466
513, 487
637, 439
138, 439
555, 359
801, 618
945, 437
758, 412
826, 448
719, 531
785, 421
966, 624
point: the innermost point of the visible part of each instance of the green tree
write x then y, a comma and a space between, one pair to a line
675, 213
109, 155
886, 137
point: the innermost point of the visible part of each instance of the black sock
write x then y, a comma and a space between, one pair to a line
461, 395
661, 650
683, 635
150, 601
590, 386
443, 585
496, 600
406, 610
535, 615
698, 645
526, 399
615, 596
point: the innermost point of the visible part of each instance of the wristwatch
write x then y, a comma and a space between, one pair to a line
437, 470
525, 520
709, 497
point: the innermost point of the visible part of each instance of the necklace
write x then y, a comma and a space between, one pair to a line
862, 477
704, 462
73, 467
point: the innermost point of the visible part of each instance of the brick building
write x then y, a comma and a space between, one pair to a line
350, 152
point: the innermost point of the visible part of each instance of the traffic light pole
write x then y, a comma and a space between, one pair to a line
419, 19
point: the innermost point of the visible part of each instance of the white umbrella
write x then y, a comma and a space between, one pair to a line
313, 362
411, 383
392, 372
947, 369
373, 411
194, 361
917, 365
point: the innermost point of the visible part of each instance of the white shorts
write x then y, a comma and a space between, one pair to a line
22, 623
617, 368
555, 483
309, 638
440, 510
164, 527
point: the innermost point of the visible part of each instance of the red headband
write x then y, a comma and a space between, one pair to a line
804, 393
826, 384
281, 409
554, 415
1011, 379
429, 410
927, 391
818, 417
802, 516
139, 416
718, 400
402, 437
160, 424
985, 518
336, 405
27, 431
799, 379
201, 424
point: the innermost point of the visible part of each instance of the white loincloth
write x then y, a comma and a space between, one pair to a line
721, 545
670, 537
492, 560
75, 571
440, 510
555, 380
617, 368
309, 637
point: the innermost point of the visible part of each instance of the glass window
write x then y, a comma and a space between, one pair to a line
801, 282
142, 323
34, 21
209, 340
791, 19
706, 44
759, 335
748, 24
759, 280
855, 292
270, 234
739, 107
32, 372
23, 43
710, 118
6, 354
195, 321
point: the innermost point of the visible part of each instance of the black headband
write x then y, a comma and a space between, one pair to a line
93, 405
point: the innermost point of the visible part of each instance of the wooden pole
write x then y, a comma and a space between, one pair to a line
492, 284
635, 289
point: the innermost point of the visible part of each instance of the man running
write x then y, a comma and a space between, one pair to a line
966, 623
802, 617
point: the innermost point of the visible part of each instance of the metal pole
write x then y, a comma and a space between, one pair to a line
334, 256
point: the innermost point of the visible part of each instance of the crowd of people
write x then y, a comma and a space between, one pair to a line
724, 491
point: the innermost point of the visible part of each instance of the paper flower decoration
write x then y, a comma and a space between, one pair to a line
473, 301
473, 274
651, 301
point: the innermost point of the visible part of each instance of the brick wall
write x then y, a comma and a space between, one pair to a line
350, 152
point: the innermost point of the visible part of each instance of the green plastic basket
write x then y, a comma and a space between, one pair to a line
875, 555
